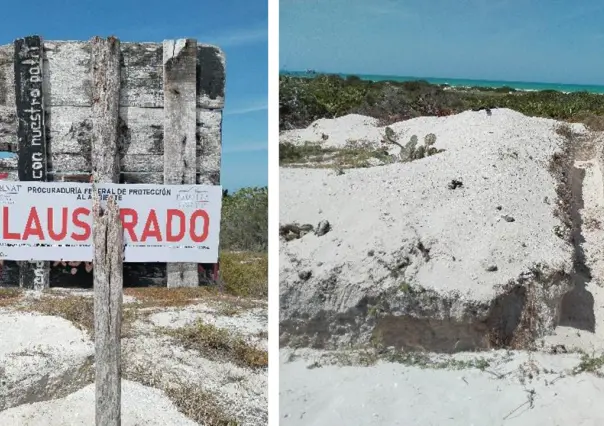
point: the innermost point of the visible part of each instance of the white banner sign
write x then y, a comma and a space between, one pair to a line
162, 223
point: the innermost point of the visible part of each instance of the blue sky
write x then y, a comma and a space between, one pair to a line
239, 27
559, 41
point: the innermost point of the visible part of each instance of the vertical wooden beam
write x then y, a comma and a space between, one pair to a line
31, 134
108, 284
107, 232
105, 109
180, 83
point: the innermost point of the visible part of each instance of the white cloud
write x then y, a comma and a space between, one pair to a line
251, 147
386, 7
238, 37
261, 105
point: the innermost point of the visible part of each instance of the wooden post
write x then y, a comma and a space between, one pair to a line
31, 133
105, 109
108, 284
107, 232
180, 161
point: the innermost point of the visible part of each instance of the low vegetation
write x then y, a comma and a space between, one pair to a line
9, 296
219, 344
245, 274
356, 154
304, 100
190, 399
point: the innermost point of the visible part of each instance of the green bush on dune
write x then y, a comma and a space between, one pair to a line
244, 225
304, 100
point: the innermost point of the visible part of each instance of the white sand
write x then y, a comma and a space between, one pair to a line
140, 406
45, 358
40, 356
395, 394
339, 131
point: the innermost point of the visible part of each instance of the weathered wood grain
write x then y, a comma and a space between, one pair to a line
68, 62
67, 71
108, 288
180, 116
7, 76
209, 137
63, 163
107, 232
32, 160
125, 177
8, 128
129, 163
141, 131
142, 83
105, 109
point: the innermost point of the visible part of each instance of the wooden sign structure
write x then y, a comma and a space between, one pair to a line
160, 89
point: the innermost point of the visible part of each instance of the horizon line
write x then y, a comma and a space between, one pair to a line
281, 71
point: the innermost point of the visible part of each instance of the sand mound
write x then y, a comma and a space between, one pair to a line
339, 131
469, 248
41, 357
140, 405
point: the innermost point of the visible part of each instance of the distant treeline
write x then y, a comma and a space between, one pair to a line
303, 100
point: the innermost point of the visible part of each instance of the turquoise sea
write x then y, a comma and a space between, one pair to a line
519, 85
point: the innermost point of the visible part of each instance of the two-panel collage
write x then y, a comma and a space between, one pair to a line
302, 213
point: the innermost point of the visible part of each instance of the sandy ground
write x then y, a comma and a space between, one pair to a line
395, 394
47, 365
522, 388
141, 405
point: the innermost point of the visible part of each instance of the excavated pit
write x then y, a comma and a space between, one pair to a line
581, 320
542, 297
512, 320
577, 306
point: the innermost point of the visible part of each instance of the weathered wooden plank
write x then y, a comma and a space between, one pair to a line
180, 117
68, 62
142, 83
108, 278
209, 137
140, 131
69, 163
31, 130
105, 109
82, 163
8, 128
7, 76
211, 75
179, 112
9, 164
67, 69
134, 177
31, 136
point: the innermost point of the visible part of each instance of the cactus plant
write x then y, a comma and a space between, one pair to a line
430, 139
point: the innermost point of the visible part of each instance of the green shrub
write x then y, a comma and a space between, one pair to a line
245, 274
244, 225
304, 100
